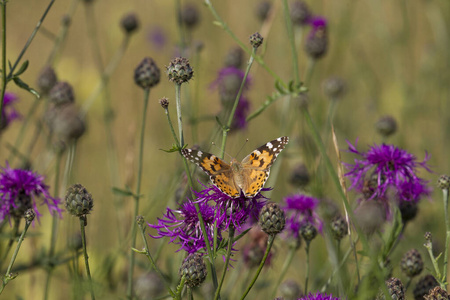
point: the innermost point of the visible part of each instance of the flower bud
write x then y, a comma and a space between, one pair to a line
339, 227
62, 93
256, 40
411, 263
189, 16
444, 182
423, 286
78, 201
179, 70
147, 73
386, 126
46, 80
164, 102
130, 23
300, 13
308, 231
272, 218
194, 270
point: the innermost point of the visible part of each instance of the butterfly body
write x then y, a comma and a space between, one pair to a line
248, 176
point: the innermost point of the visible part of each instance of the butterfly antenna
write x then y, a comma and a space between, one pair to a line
246, 140
229, 156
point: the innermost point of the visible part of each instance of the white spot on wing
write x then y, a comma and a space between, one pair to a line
270, 146
199, 153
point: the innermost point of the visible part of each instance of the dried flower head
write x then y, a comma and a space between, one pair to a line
20, 190
256, 40
424, 285
179, 70
130, 23
412, 263
164, 102
147, 73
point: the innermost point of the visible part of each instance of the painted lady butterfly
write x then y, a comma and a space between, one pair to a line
248, 176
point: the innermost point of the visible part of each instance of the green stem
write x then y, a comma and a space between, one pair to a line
408, 283
180, 122
83, 223
307, 267
290, 33
429, 247
51, 252
335, 271
284, 269
236, 102
261, 265
172, 130
137, 195
447, 236
309, 71
227, 261
11, 240
4, 79
8, 276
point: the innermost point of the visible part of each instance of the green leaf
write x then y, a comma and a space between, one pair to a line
22, 68
174, 148
122, 192
280, 88
236, 238
291, 86
393, 234
25, 86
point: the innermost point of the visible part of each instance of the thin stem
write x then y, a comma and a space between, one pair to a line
180, 122
290, 33
284, 269
172, 130
8, 277
4, 79
447, 236
309, 71
307, 267
227, 261
11, 240
236, 102
137, 196
335, 271
408, 283
51, 251
83, 223
429, 247
261, 265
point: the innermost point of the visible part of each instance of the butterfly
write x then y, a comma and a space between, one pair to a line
248, 176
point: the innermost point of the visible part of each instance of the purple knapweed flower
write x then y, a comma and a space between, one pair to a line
385, 167
234, 211
9, 114
319, 296
183, 226
19, 190
300, 209
240, 116
157, 38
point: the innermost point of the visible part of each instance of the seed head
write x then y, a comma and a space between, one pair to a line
147, 73
130, 23
437, 294
412, 263
78, 201
61, 93
164, 102
334, 87
140, 220
424, 285
339, 227
386, 125
179, 70
65, 121
29, 215
272, 218
300, 13
256, 40
194, 270
395, 288
189, 16
308, 231
444, 182
46, 80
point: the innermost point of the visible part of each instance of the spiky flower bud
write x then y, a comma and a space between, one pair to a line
235, 58
408, 210
299, 176
339, 227
194, 270
300, 13
140, 220
424, 285
272, 218
78, 201
386, 126
62, 93
29, 215
164, 102
308, 231
130, 23
256, 40
395, 288
444, 182
290, 290
147, 73
411, 263
46, 80
189, 16
334, 87
437, 293
179, 70
262, 10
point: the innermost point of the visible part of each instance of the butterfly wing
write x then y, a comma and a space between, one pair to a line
219, 171
256, 165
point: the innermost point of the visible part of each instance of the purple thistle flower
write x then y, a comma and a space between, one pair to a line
317, 22
383, 167
9, 114
319, 296
235, 211
19, 190
240, 116
300, 209
157, 37
183, 226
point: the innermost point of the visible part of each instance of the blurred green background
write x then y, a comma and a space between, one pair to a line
393, 56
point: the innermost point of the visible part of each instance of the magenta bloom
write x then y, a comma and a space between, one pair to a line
9, 114
300, 209
157, 38
235, 211
240, 116
183, 226
19, 190
319, 296
385, 167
